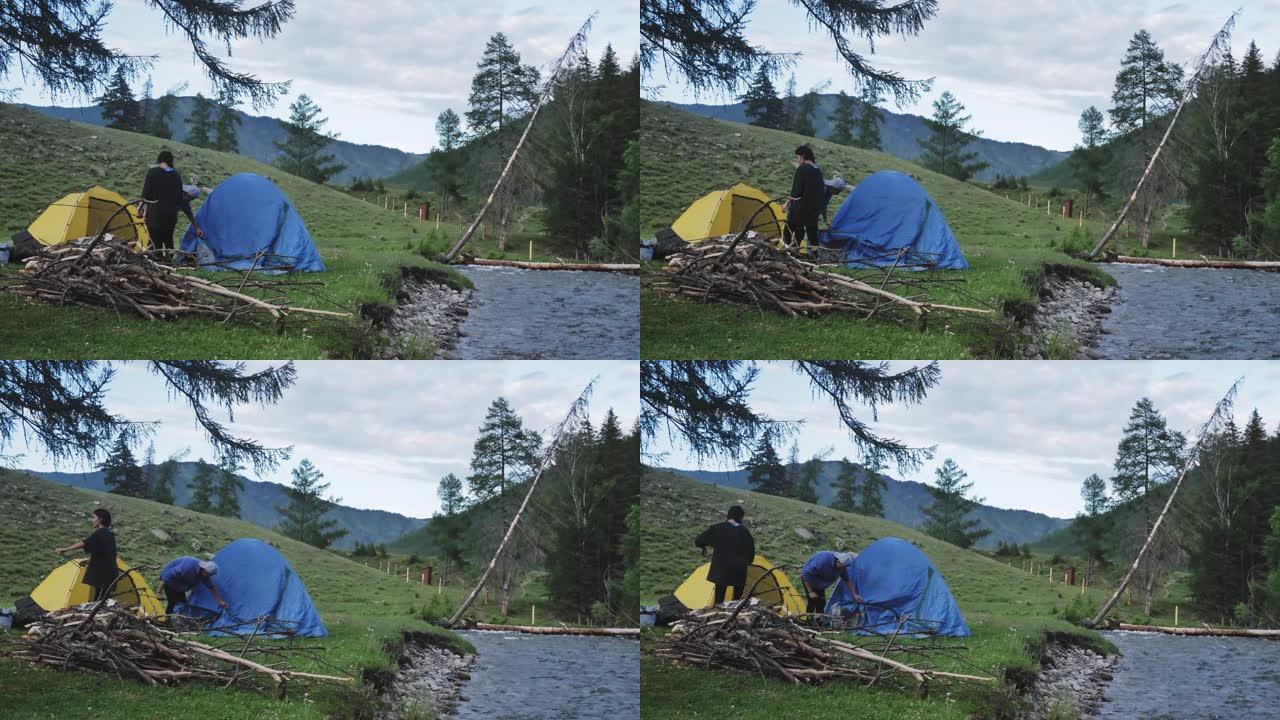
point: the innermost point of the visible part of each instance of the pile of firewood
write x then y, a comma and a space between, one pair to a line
114, 641
753, 270
757, 639
105, 272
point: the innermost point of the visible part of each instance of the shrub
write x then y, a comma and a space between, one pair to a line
1080, 608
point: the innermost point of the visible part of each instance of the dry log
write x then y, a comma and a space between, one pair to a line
1203, 631
1270, 265
527, 265
533, 630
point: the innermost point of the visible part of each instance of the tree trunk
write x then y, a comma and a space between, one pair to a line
615, 632
1210, 631
1144, 229
1269, 265
526, 265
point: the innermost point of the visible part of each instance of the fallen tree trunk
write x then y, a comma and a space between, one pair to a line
613, 632
1271, 265
1204, 631
528, 265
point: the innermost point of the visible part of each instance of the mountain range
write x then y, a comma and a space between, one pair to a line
903, 500
258, 503
257, 135
899, 133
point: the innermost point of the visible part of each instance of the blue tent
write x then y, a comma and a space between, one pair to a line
887, 213
898, 582
248, 220
257, 582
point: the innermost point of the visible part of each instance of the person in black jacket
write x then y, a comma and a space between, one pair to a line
732, 550
163, 198
807, 200
101, 548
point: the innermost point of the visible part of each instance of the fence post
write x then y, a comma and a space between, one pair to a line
533, 614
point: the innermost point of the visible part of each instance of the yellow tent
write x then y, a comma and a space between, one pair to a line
775, 589
64, 588
87, 213
728, 211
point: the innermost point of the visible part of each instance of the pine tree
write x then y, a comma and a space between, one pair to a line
1270, 223
945, 518
120, 472
790, 102
203, 488
200, 122
149, 470
869, 119
146, 107
162, 490
229, 487
871, 498
763, 107
227, 120
303, 518
846, 487
160, 117
793, 470
447, 526
1089, 157
765, 472
119, 108
501, 89
841, 119
802, 119
301, 153
1091, 527
445, 161
944, 149
806, 487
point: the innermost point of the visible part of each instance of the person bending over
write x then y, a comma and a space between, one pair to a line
184, 573
823, 570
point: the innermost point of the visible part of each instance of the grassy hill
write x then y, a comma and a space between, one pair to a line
363, 247
1009, 610
257, 136
1008, 247
903, 500
899, 133
258, 503
365, 610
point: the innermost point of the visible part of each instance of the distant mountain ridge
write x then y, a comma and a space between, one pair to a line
257, 135
258, 503
899, 133
903, 500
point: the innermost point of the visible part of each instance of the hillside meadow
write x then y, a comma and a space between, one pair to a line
365, 610
1011, 612
1009, 247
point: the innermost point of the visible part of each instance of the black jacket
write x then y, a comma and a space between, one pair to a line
732, 550
101, 548
165, 188
810, 193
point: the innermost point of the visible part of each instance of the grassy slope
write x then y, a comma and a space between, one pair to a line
1009, 610
47, 158
686, 156
362, 607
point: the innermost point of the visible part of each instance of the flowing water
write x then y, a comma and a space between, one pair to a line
1177, 313
540, 677
561, 314
1166, 677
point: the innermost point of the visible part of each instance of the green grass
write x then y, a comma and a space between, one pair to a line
366, 611
1011, 612
1007, 245
362, 245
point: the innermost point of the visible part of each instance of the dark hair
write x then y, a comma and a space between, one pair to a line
805, 152
165, 157
104, 516
736, 513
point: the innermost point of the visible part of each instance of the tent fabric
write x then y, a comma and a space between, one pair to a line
85, 213
249, 224
898, 582
64, 588
728, 211
890, 213
775, 589
257, 583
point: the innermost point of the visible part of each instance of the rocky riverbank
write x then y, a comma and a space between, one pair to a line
426, 317
1072, 682
1068, 321
429, 682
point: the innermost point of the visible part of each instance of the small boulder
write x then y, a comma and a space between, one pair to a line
805, 534
162, 536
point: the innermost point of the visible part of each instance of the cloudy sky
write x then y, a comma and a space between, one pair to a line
383, 433
1026, 432
1025, 70
381, 71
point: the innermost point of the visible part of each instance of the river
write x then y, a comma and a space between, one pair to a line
560, 314
541, 677
1187, 313
1166, 677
